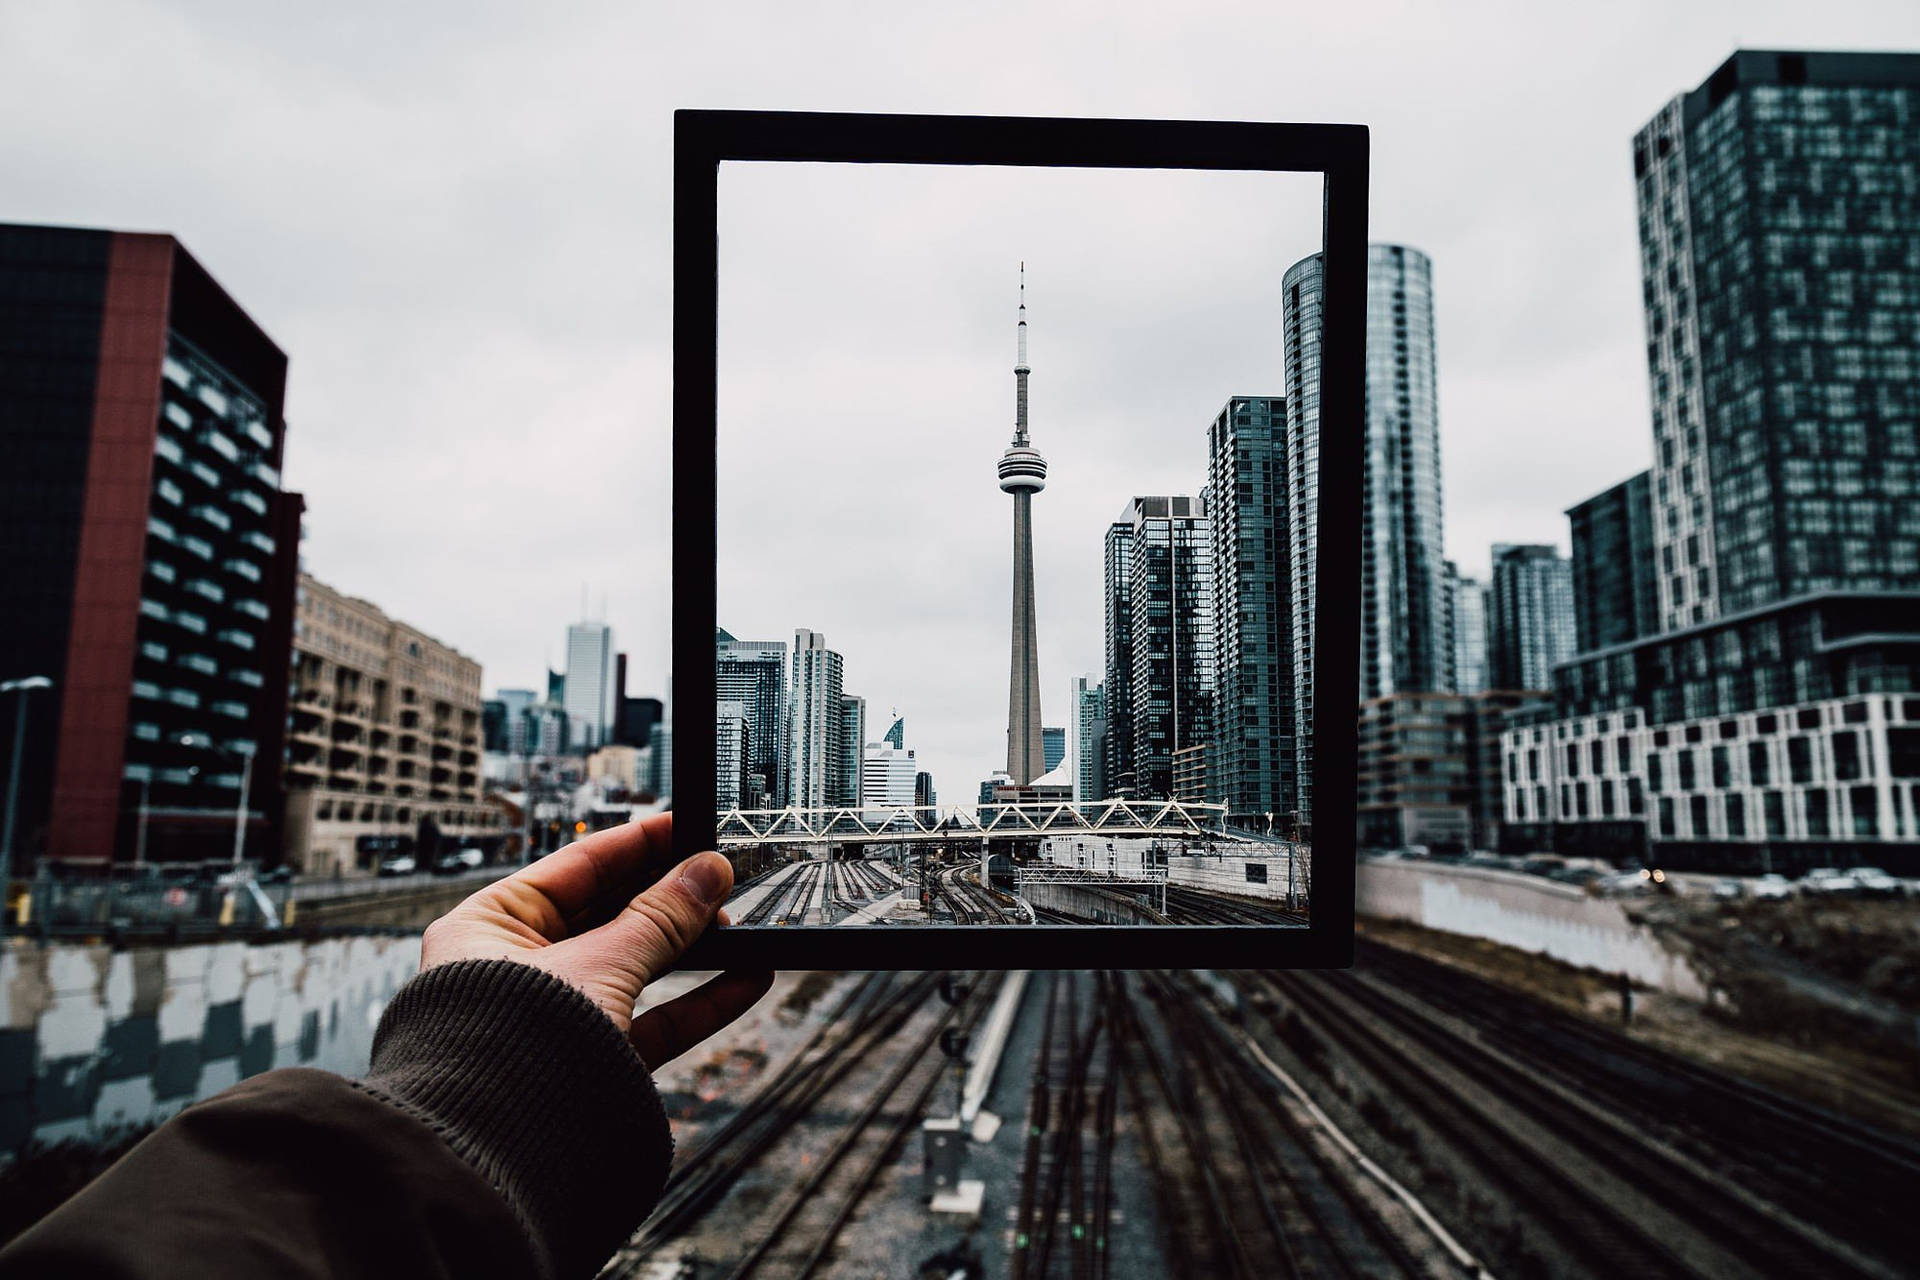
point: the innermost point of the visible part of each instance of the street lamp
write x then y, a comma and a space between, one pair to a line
246, 782
22, 686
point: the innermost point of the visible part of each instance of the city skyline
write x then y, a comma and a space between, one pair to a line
400, 343
909, 574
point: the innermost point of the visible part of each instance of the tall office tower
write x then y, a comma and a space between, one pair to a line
511, 720
633, 727
1467, 631
1751, 729
1053, 744
1251, 758
730, 757
1167, 588
853, 744
814, 711
589, 684
896, 736
1777, 212
384, 738
150, 552
1530, 626
887, 775
1088, 734
1616, 589
754, 674
1117, 565
924, 796
1403, 578
1023, 473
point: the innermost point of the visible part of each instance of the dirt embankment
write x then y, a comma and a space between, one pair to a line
1825, 1012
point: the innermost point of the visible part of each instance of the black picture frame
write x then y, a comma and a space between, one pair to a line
703, 140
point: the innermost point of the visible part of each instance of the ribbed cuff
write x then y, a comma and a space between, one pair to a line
531, 1084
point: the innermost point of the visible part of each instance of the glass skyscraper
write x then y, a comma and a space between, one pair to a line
1166, 586
1404, 604
1530, 616
753, 673
816, 749
1780, 264
1467, 631
1087, 698
1616, 599
1768, 723
1251, 765
590, 695
1117, 565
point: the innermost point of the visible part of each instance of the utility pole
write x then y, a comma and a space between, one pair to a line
23, 687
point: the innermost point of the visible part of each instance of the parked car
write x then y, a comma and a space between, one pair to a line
1872, 882
448, 864
1729, 889
399, 864
1623, 884
1827, 882
1771, 886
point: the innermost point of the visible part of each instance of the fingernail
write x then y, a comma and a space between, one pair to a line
705, 880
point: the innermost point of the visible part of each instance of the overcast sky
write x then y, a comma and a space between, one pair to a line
857, 448
456, 219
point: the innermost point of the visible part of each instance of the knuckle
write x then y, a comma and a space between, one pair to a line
674, 931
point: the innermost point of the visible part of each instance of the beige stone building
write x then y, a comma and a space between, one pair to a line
617, 764
384, 740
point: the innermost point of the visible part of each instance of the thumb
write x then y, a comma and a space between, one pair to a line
659, 925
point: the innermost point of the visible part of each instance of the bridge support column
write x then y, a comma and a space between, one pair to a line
984, 882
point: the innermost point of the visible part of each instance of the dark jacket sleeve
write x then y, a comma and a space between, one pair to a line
506, 1129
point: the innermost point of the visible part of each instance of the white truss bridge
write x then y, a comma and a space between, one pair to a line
887, 824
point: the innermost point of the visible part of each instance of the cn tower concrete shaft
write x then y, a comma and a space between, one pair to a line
1023, 473
1026, 758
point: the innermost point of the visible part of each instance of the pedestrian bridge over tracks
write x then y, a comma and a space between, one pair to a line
931, 824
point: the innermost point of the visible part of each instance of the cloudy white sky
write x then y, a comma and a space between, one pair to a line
456, 219
857, 449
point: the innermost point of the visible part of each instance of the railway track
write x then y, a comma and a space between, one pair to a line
1273, 1204
1796, 1159
1073, 1091
802, 1234
790, 898
1196, 906
867, 1019
1607, 1193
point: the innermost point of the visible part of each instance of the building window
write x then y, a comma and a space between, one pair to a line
1774, 806
1697, 813
1800, 759
1817, 825
1687, 779
1846, 756
1736, 816
1656, 782
1865, 803
1666, 817
1759, 772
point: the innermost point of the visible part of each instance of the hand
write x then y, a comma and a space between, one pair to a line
581, 915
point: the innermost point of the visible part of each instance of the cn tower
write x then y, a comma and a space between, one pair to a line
1023, 473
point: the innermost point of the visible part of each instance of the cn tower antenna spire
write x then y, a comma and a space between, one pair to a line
1020, 369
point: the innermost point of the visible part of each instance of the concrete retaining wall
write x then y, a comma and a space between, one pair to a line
1527, 913
1102, 905
1226, 873
93, 1039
